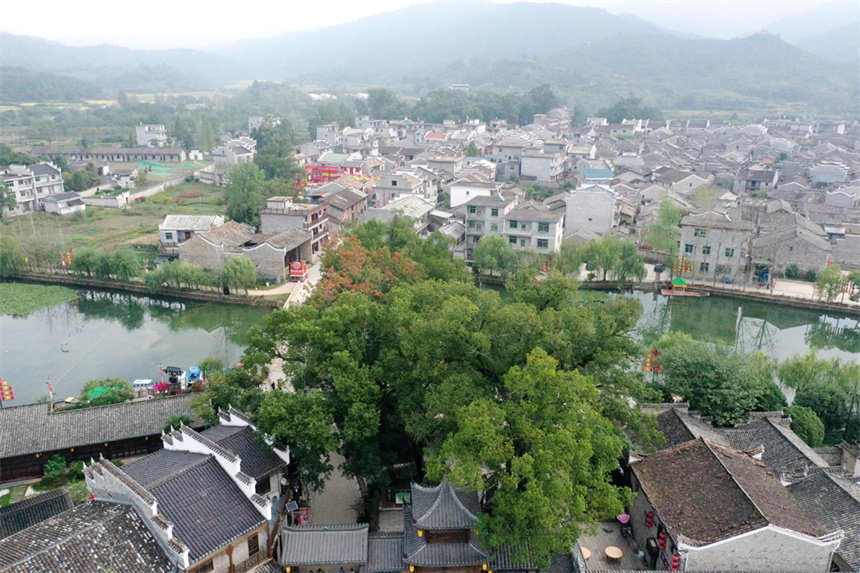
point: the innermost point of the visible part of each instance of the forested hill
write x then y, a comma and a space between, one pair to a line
409, 41
21, 85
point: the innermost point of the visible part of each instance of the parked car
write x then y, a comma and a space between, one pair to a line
727, 280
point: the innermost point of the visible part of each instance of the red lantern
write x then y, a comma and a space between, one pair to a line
661, 544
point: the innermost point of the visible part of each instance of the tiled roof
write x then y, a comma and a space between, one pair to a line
784, 452
687, 483
230, 234
206, 507
324, 544
418, 552
36, 428
95, 537
384, 553
834, 502
680, 427
21, 515
534, 211
444, 507
257, 462
714, 220
190, 222
290, 239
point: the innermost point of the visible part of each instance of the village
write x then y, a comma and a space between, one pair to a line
759, 201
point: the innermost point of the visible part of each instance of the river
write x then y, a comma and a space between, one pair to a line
104, 334
111, 334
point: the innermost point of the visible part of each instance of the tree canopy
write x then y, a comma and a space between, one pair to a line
104, 391
245, 194
406, 361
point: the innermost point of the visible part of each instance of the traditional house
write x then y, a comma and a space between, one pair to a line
330, 548
198, 496
35, 433
707, 507
176, 229
96, 536
67, 203
282, 213
19, 516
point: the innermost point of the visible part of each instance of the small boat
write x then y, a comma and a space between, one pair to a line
678, 287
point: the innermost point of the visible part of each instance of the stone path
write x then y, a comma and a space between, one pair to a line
338, 501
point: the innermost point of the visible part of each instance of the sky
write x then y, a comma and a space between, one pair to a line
214, 23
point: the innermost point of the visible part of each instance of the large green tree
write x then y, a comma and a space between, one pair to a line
239, 273
245, 194
545, 451
665, 231
104, 391
404, 364
494, 254
830, 282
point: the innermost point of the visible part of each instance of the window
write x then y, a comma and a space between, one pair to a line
512, 240
513, 224
706, 250
703, 267
264, 485
472, 209
700, 233
523, 242
205, 567
688, 248
543, 243
394, 183
494, 227
168, 236
730, 253
543, 227
253, 546
494, 212
471, 224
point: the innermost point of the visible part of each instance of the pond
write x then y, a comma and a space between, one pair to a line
776, 330
103, 334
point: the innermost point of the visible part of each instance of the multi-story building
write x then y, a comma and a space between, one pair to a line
526, 226
543, 167
282, 213
715, 244
594, 208
32, 183
150, 135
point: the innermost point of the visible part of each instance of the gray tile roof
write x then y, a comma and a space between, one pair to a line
207, 509
687, 482
444, 507
834, 502
257, 461
384, 553
680, 427
418, 552
324, 544
21, 515
36, 428
784, 452
93, 538
290, 239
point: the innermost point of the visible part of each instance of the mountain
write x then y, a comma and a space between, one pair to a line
408, 41
839, 45
104, 64
22, 85
826, 16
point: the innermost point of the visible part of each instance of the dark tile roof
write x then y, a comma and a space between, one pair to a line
257, 461
290, 239
834, 502
384, 553
324, 544
207, 509
418, 552
270, 566
688, 482
21, 515
784, 452
36, 428
444, 507
94, 537
679, 427
503, 560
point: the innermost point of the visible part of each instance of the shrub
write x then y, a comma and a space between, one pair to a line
76, 470
54, 469
792, 272
811, 275
807, 425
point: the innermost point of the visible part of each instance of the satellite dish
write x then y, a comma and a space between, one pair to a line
292, 506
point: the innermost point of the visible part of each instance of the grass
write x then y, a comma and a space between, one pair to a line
18, 298
4, 500
110, 228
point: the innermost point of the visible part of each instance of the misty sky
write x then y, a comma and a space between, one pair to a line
204, 23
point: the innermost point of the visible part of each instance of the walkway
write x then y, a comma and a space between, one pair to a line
337, 503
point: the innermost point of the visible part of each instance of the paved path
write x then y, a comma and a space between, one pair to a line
337, 503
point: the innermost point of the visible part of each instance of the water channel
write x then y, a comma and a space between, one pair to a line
104, 334
112, 334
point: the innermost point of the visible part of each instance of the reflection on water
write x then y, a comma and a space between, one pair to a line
778, 331
115, 334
